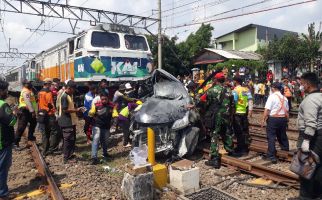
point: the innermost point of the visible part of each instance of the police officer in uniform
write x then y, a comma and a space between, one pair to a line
27, 112
244, 104
219, 106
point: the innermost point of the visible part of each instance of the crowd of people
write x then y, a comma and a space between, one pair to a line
53, 109
225, 106
291, 89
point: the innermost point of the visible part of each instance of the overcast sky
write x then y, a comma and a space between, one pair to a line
176, 13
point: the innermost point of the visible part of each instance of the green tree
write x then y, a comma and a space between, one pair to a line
171, 61
195, 43
292, 50
177, 57
312, 42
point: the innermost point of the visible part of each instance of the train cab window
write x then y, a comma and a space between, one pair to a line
80, 43
33, 65
71, 47
134, 42
105, 39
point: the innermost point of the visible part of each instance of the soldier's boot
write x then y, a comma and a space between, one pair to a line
214, 162
239, 152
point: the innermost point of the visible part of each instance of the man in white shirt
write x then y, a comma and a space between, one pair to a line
256, 92
276, 116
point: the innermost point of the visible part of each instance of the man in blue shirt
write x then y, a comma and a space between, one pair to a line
89, 96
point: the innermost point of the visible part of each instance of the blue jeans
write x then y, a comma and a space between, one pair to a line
99, 135
5, 163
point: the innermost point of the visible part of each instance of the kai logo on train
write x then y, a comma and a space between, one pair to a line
113, 67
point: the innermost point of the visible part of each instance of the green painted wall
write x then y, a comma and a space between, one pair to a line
247, 40
228, 45
226, 38
244, 41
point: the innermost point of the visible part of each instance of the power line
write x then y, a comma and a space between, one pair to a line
50, 30
165, 5
234, 16
41, 22
210, 4
247, 6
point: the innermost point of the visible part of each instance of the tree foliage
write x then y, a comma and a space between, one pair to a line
177, 57
251, 65
293, 50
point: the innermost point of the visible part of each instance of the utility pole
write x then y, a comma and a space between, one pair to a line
159, 37
9, 44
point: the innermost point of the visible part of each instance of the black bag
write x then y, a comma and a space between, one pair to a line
305, 163
42, 116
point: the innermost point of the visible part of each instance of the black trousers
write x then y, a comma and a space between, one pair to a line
276, 128
69, 139
50, 135
241, 132
24, 118
125, 125
312, 189
289, 100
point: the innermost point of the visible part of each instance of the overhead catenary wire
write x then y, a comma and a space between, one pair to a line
164, 6
239, 15
49, 30
240, 8
188, 11
41, 23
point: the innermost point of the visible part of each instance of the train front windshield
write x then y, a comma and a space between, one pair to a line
105, 39
134, 42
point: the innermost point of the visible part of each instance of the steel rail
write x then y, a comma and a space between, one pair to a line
291, 113
295, 131
263, 137
260, 146
45, 172
281, 177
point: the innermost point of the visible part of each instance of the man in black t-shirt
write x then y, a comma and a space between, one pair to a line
67, 120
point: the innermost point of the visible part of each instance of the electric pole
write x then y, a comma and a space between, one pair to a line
159, 37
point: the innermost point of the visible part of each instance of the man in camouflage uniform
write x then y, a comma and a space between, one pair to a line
219, 105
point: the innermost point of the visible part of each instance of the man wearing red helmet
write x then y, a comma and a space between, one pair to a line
219, 105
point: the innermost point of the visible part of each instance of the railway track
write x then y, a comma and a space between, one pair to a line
51, 186
259, 170
258, 127
292, 113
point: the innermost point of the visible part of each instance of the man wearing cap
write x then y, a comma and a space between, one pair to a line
219, 105
46, 117
129, 92
28, 109
244, 104
276, 117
